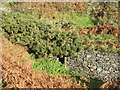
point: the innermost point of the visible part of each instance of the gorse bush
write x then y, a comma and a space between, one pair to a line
17, 28
48, 39
39, 36
56, 43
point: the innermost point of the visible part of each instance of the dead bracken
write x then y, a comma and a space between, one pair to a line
19, 75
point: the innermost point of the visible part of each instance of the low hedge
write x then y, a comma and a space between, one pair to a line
39, 36
46, 39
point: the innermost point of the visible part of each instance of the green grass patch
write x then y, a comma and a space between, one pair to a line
73, 18
57, 68
52, 67
79, 21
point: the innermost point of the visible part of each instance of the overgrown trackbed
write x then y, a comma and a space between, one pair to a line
17, 71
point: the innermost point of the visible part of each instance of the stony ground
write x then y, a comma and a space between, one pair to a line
101, 65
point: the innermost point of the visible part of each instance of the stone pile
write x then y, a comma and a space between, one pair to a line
101, 65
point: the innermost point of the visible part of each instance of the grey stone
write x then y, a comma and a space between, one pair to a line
97, 64
94, 67
114, 65
99, 69
88, 56
85, 62
107, 58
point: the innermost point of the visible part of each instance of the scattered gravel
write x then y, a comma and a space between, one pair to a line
101, 65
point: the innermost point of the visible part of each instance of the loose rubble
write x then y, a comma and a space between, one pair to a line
101, 65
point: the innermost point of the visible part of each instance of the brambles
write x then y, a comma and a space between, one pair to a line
102, 37
99, 29
48, 7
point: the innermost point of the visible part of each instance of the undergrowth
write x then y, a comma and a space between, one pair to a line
106, 43
54, 35
76, 19
57, 68
52, 39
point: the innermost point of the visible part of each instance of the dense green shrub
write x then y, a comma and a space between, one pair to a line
46, 39
57, 43
40, 37
21, 28
15, 27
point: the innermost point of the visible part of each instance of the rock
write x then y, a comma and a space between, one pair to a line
85, 62
97, 64
88, 56
107, 58
94, 67
114, 65
99, 69
98, 55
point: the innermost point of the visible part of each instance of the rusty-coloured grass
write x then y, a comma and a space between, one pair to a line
17, 71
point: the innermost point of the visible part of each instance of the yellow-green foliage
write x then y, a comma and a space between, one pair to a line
39, 36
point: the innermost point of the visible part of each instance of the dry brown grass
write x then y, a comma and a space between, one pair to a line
106, 29
112, 84
17, 71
